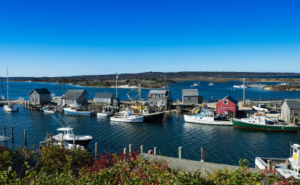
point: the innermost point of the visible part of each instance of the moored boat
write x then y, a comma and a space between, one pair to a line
68, 136
152, 116
127, 116
205, 117
107, 111
9, 107
258, 122
77, 110
49, 109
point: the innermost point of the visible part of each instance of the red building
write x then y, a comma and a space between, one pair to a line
228, 104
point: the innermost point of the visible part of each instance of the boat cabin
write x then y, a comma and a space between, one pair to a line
68, 132
257, 118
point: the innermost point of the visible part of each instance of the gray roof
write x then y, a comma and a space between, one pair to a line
190, 92
293, 104
104, 95
230, 99
73, 94
40, 91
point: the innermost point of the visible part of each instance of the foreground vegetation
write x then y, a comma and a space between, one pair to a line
55, 165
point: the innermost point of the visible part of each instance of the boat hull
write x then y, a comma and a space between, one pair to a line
128, 120
104, 114
154, 117
8, 109
79, 142
240, 124
191, 119
80, 113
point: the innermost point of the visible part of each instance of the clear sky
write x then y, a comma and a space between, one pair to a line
54, 38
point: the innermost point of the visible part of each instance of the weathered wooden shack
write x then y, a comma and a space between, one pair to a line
290, 109
160, 98
79, 97
191, 96
227, 105
104, 98
39, 96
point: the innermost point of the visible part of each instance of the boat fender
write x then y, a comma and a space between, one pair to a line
149, 151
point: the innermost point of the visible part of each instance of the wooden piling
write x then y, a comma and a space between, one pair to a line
142, 149
12, 134
179, 152
96, 145
51, 139
40, 146
74, 139
129, 148
25, 137
124, 151
4, 134
33, 148
154, 152
202, 154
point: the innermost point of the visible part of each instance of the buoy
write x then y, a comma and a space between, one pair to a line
149, 151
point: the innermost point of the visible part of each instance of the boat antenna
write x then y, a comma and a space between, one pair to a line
7, 85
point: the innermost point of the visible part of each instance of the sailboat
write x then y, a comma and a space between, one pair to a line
9, 107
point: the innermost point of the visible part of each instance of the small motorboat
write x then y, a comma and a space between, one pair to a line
107, 111
210, 84
78, 110
68, 136
127, 116
50, 110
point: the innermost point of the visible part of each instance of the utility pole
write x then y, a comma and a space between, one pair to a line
63, 86
244, 93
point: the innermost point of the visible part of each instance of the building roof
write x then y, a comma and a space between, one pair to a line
190, 92
104, 95
230, 99
73, 94
293, 103
40, 91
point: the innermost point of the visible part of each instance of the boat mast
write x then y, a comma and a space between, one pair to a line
140, 96
244, 92
7, 85
2, 89
63, 86
117, 85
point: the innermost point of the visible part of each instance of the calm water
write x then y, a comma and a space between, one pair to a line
223, 144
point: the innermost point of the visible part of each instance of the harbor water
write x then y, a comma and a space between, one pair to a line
224, 144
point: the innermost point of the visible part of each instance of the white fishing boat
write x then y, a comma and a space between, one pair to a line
68, 136
78, 111
127, 116
107, 111
286, 167
9, 107
205, 117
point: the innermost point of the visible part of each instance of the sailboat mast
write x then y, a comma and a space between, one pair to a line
140, 96
2, 89
7, 85
117, 85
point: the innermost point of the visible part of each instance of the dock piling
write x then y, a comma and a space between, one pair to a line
179, 152
96, 145
12, 134
25, 137
4, 134
269, 164
74, 139
40, 146
154, 153
124, 151
202, 154
129, 148
33, 148
142, 149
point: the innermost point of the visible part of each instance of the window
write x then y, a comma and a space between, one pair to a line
151, 102
162, 102
188, 99
295, 113
225, 102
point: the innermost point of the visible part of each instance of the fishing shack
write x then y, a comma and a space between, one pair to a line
104, 98
39, 96
191, 96
75, 97
290, 110
160, 99
227, 106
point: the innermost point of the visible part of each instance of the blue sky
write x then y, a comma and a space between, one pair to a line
54, 38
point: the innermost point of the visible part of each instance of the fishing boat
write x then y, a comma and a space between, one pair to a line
127, 116
68, 136
150, 116
286, 167
78, 111
49, 109
205, 117
107, 111
258, 122
9, 107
